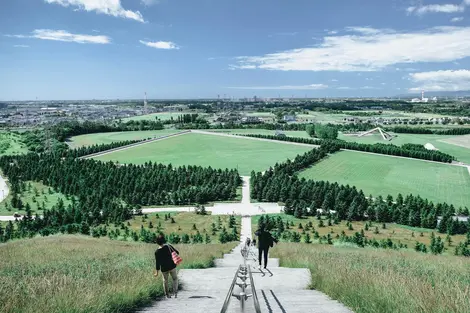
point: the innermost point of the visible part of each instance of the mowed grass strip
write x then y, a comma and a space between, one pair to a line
386, 281
385, 175
82, 274
210, 150
103, 138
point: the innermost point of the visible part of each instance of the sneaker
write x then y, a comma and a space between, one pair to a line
168, 296
176, 295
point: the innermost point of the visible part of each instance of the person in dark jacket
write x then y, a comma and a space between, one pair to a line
164, 263
265, 241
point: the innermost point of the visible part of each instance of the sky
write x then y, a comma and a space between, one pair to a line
176, 49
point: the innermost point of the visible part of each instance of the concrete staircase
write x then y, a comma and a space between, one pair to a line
278, 289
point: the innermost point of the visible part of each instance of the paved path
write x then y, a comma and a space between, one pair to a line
245, 207
3, 189
133, 145
253, 138
278, 289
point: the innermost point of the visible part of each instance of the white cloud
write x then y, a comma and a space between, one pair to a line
108, 7
435, 8
372, 52
332, 32
149, 2
62, 35
345, 88
287, 87
334, 80
368, 30
457, 19
441, 80
368, 87
160, 44
21, 46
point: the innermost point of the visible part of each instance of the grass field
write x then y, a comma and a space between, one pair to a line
397, 233
461, 153
384, 175
103, 138
10, 143
208, 150
461, 141
386, 281
184, 222
41, 195
81, 274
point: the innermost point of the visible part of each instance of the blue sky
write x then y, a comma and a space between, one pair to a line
108, 49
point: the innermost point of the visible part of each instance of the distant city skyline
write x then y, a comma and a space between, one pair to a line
185, 49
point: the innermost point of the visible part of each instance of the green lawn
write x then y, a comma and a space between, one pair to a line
384, 175
10, 143
100, 138
461, 153
43, 196
209, 150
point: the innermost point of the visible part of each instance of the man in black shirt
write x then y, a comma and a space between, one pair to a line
164, 263
265, 241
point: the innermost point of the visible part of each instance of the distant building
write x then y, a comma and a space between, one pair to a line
423, 99
289, 118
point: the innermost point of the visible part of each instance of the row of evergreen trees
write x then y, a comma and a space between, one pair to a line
422, 130
388, 149
305, 197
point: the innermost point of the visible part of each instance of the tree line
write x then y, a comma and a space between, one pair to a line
380, 148
305, 197
421, 130
101, 187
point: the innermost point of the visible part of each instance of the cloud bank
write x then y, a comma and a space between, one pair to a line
369, 50
441, 81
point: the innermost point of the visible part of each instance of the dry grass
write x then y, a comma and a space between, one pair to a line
368, 280
82, 274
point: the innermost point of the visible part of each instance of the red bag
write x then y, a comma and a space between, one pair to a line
175, 256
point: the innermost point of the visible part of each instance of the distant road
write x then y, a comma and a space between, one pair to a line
4, 191
253, 138
134, 145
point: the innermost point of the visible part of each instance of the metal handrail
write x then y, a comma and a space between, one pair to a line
229, 294
253, 292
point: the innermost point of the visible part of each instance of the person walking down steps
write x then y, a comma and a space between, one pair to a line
265, 241
165, 262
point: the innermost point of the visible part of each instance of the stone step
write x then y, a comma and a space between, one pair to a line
300, 301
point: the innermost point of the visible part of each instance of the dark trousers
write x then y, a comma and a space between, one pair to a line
262, 250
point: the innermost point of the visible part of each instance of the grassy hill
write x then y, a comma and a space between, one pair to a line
81, 274
386, 281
